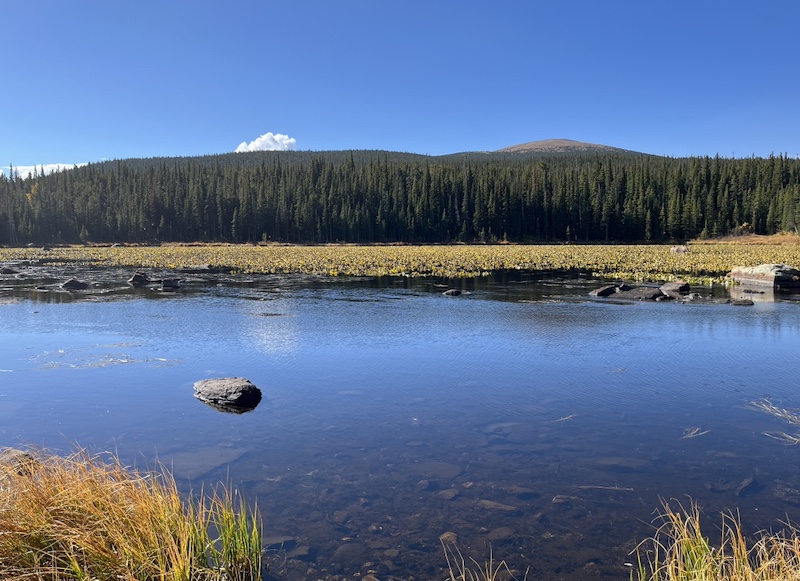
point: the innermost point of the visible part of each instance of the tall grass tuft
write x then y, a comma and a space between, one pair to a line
87, 517
459, 569
680, 552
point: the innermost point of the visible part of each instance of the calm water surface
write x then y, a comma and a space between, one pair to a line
523, 416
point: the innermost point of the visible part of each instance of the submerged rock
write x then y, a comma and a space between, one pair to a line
8, 270
741, 302
170, 284
351, 553
228, 394
448, 493
501, 534
74, 284
492, 505
453, 292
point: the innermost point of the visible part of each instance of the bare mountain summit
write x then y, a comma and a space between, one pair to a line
561, 146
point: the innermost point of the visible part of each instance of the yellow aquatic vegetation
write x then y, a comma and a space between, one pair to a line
704, 264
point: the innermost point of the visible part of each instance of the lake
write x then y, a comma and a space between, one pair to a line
524, 417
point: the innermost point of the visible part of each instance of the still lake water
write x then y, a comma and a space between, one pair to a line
524, 417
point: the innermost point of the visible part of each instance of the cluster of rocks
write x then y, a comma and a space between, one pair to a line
671, 291
140, 279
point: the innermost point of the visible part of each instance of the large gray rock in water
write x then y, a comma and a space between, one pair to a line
139, 279
228, 394
675, 289
642, 293
604, 291
774, 275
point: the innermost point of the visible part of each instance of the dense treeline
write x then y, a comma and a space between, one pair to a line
383, 197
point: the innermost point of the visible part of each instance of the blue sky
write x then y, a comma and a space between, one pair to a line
89, 80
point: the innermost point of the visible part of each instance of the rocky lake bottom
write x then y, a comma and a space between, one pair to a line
524, 418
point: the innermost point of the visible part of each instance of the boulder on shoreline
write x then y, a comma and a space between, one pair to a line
776, 276
228, 394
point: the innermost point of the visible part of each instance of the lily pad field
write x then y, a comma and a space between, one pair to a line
704, 263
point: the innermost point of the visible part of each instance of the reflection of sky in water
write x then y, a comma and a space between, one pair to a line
395, 341
270, 326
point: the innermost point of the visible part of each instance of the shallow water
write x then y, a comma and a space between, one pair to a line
522, 416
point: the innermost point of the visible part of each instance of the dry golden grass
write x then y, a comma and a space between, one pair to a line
679, 551
87, 518
461, 569
790, 417
766, 406
784, 238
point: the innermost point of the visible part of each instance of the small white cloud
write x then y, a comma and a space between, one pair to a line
24, 171
268, 142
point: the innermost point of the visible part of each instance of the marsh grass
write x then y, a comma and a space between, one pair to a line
461, 569
679, 551
87, 517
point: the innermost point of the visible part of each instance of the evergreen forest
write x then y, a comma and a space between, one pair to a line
383, 197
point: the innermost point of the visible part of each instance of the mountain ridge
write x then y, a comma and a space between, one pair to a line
530, 150
545, 146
